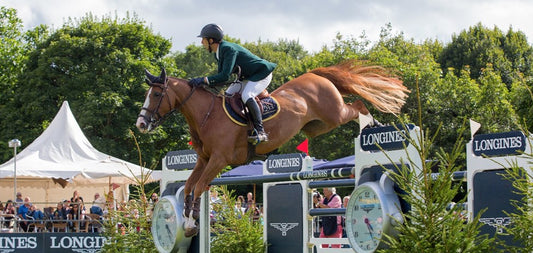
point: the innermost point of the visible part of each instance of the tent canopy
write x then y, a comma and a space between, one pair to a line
344, 162
63, 152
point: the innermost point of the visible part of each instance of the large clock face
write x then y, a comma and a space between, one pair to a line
364, 219
165, 224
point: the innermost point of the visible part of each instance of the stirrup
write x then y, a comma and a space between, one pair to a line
257, 138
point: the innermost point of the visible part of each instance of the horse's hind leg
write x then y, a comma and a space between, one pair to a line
331, 118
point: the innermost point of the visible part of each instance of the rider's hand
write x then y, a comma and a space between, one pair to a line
195, 82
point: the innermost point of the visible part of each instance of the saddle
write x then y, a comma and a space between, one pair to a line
237, 105
235, 108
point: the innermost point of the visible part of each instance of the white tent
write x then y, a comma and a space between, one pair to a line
63, 154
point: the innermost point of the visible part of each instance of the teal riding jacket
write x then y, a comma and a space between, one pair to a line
230, 54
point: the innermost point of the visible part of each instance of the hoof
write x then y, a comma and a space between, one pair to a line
190, 232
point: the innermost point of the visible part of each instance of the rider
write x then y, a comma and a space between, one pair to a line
255, 72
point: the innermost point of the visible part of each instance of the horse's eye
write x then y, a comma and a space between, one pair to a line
157, 94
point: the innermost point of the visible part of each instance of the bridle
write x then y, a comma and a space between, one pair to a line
154, 118
156, 121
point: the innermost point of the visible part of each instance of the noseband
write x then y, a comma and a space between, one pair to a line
156, 121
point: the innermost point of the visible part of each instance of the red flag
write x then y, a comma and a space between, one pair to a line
114, 186
304, 147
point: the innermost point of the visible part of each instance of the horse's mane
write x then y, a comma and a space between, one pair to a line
372, 83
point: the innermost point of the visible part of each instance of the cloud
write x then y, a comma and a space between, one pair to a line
314, 23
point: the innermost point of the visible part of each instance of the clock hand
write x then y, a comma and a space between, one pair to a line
369, 227
169, 232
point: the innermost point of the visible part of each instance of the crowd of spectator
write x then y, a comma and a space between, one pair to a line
72, 214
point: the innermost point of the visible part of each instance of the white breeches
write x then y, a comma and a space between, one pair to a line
249, 89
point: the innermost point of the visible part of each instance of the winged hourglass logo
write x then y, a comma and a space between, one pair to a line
284, 227
498, 222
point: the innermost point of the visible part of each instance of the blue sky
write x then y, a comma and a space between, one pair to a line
314, 23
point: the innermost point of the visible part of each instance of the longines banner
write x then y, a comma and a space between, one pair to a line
51, 242
499, 144
284, 163
181, 159
387, 137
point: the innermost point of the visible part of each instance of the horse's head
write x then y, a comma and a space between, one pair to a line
154, 109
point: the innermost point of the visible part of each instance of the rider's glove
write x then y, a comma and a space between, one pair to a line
195, 82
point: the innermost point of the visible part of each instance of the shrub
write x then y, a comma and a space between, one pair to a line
233, 230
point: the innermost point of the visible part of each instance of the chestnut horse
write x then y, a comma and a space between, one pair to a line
312, 102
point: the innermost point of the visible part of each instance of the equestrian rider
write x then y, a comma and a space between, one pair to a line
256, 74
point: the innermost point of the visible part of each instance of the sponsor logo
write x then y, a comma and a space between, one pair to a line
10, 243
180, 160
387, 138
499, 144
284, 163
87, 243
284, 227
499, 223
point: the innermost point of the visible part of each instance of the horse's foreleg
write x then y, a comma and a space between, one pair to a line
212, 168
189, 185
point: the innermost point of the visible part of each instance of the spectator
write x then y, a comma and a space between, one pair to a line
345, 201
75, 214
154, 198
214, 199
1, 206
9, 209
331, 225
61, 212
36, 213
97, 207
239, 209
66, 205
249, 200
317, 199
76, 198
23, 212
19, 201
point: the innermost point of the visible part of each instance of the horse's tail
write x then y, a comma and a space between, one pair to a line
372, 83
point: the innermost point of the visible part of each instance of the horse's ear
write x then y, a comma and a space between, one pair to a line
149, 76
148, 81
163, 75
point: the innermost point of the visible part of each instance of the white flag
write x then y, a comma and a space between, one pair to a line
474, 127
364, 120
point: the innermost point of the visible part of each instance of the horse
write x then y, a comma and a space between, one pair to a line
312, 103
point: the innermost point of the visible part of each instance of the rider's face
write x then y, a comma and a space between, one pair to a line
205, 43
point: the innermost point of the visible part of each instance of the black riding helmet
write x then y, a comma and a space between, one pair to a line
213, 31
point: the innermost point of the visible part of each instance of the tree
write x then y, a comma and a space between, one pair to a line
11, 62
97, 65
510, 55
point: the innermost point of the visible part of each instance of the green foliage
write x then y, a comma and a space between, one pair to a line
97, 65
12, 56
429, 226
128, 228
234, 231
479, 46
521, 227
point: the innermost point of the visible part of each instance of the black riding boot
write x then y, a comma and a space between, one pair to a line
257, 119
